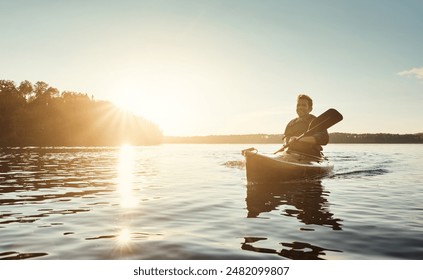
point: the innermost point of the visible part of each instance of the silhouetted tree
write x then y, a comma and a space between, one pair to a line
25, 89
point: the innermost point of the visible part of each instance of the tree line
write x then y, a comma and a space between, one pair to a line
368, 138
40, 115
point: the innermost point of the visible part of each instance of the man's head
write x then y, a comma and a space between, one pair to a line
304, 105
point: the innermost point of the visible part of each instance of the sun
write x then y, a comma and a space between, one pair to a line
126, 97
168, 108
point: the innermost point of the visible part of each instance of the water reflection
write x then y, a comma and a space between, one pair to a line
308, 198
40, 186
20, 256
126, 176
305, 201
295, 251
36, 176
124, 237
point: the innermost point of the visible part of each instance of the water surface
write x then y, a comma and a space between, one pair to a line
193, 202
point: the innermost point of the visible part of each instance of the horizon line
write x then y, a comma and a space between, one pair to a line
275, 134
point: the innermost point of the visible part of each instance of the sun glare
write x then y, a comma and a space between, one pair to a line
124, 237
123, 242
169, 94
171, 114
125, 104
125, 177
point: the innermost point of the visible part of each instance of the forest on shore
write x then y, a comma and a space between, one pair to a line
366, 138
40, 115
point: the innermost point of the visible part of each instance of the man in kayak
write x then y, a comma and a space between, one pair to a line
309, 144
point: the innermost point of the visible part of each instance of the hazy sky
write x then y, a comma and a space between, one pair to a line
226, 66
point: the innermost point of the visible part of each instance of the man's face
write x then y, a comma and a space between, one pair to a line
303, 108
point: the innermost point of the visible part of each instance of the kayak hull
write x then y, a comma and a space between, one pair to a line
284, 167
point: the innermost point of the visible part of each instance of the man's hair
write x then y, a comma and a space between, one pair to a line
306, 97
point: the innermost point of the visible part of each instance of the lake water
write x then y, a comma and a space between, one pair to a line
193, 202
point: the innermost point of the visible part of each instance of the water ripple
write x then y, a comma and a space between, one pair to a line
193, 202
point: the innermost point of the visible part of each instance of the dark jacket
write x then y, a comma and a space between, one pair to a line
298, 126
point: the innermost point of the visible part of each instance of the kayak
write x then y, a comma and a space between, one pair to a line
285, 166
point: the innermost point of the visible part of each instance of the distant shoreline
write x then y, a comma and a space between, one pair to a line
367, 138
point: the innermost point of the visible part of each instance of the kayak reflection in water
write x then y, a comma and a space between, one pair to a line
308, 198
312, 144
310, 208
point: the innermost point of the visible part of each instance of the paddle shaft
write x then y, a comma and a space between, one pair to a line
322, 122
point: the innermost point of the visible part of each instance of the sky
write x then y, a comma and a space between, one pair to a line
212, 67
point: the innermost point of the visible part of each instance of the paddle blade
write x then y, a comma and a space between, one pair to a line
324, 121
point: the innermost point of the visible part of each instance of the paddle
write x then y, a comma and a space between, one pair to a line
322, 122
